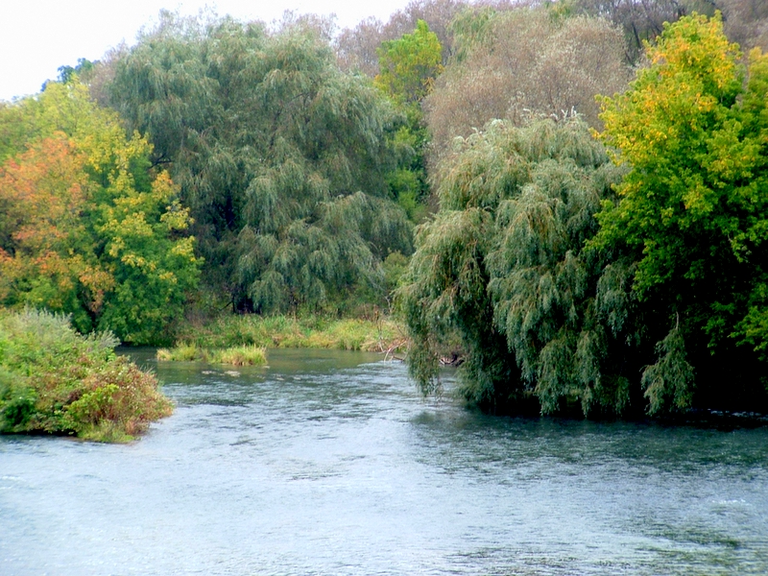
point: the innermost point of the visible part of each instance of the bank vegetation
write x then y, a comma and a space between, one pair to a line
566, 198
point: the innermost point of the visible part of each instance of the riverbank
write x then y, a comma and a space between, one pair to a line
382, 334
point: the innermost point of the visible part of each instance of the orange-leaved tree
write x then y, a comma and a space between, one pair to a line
88, 227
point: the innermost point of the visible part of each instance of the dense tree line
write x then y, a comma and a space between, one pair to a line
626, 286
582, 240
281, 157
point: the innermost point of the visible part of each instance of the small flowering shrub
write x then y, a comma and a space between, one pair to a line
55, 381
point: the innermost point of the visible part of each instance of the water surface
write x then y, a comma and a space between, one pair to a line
331, 463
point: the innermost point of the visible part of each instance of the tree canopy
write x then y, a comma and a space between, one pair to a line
606, 254
408, 66
693, 209
282, 158
626, 286
501, 270
517, 63
87, 227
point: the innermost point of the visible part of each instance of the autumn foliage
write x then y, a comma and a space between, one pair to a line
605, 254
87, 228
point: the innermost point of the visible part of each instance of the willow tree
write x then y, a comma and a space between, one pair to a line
282, 158
501, 272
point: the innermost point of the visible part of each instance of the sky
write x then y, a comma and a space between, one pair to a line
39, 36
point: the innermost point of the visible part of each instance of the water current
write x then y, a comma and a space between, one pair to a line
331, 463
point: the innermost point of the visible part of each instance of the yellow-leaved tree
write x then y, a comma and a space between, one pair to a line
88, 226
693, 212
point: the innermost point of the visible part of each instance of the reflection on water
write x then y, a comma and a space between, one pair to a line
331, 463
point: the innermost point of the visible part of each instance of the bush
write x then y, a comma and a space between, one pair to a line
55, 381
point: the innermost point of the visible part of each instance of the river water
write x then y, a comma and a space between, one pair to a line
330, 463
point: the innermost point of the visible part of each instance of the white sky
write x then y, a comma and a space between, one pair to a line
38, 36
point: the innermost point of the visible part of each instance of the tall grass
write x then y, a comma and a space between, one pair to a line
53, 380
307, 331
248, 355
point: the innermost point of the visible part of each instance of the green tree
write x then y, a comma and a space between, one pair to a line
501, 274
83, 69
88, 228
408, 66
357, 48
281, 157
693, 212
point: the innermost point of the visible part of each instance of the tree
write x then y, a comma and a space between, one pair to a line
409, 66
42, 194
745, 21
693, 210
357, 48
281, 157
83, 69
502, 274
88, 228
518, 63
640, 21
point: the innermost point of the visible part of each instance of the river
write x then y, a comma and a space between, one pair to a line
331, 463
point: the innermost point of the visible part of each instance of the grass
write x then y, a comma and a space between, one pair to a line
247, 355
307, 331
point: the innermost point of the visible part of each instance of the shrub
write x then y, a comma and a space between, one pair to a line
55, 381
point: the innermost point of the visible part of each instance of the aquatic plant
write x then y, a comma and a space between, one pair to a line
246, 355
377, 334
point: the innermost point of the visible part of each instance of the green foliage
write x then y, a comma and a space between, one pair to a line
408, 182
501, 268
17, 403
55, 381
84, 69
692, 212
653, 303
671, 379
408, 66
89, 229
247, 355
281, 157
303, 331
182, 352
240, 356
